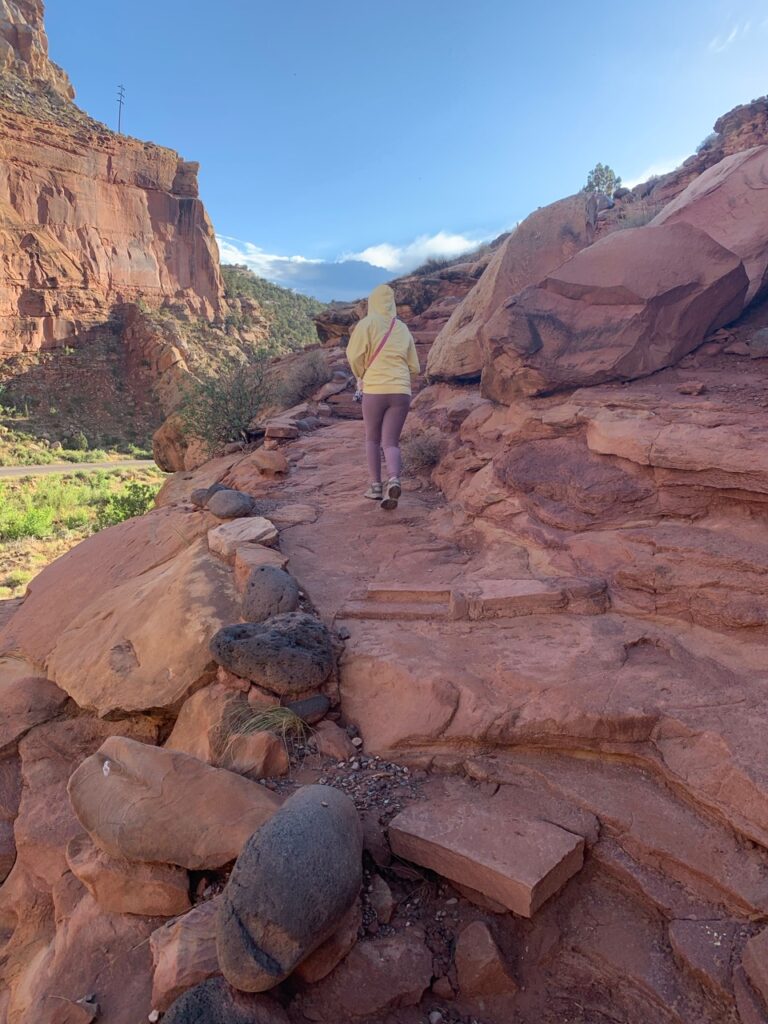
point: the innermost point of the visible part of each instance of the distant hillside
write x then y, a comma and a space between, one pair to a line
288, 315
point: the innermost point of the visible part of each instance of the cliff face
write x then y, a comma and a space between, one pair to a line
89, 220
24, 47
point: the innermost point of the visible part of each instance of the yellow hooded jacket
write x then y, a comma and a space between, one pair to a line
391, 372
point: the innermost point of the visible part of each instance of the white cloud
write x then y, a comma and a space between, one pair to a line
401, 258
653, 171
721, 43
350, 275
268, 265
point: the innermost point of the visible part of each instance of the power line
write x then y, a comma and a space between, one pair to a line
120, 102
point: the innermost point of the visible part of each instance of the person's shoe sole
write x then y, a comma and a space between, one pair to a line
391, 496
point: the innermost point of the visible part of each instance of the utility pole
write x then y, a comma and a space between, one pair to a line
120, 102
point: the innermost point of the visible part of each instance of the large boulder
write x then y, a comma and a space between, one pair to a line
144, 644
634, 302
291, 888
151, 804
287, 655
730, 202
88, 571
226, 503
537, 246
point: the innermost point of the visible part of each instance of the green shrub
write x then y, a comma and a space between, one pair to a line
602, 178
135, 500
301, 377
218, 408
32, 522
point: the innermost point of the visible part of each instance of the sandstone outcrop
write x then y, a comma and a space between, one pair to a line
631, 304
130, 664
543, 241
730, 202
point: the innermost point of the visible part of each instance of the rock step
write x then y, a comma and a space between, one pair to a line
512, 858
492, 599
407, 593
407, 611
655, 828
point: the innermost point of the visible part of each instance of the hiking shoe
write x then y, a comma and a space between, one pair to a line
392, 493
374, 492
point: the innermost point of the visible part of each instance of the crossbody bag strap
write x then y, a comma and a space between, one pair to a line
381, 345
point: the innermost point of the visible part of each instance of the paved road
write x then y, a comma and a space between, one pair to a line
7, 472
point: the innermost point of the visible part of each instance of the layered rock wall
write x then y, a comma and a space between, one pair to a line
88, 219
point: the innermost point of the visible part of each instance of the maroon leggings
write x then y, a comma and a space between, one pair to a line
384, 417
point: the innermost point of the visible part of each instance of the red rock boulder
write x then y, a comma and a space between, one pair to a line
549, 237
730, 202
634, 302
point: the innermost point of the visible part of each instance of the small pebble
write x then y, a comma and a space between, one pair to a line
357, 742
435, 1017
154, 1016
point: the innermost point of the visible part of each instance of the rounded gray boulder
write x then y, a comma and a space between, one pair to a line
288, 654
230, 504
202, 495
290, 889
269, 591
215, 1002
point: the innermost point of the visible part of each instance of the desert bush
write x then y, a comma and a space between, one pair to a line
135, 500
300, 377
217, 408
422, 452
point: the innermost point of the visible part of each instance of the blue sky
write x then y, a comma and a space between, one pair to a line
342, 142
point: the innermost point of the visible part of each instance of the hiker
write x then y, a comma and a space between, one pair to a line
383, 356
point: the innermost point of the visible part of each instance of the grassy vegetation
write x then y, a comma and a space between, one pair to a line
42, 517
20, 449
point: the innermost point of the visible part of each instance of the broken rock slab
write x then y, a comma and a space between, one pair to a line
152, 804
516, 861
224, 540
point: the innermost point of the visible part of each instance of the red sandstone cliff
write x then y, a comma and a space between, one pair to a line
88, 219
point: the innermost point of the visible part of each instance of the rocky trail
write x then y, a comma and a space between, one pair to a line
271, 755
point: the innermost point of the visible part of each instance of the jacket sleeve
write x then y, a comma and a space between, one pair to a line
357, 349
412, 357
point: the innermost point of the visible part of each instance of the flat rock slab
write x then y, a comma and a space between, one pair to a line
152, 804
517, 862
224, 540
